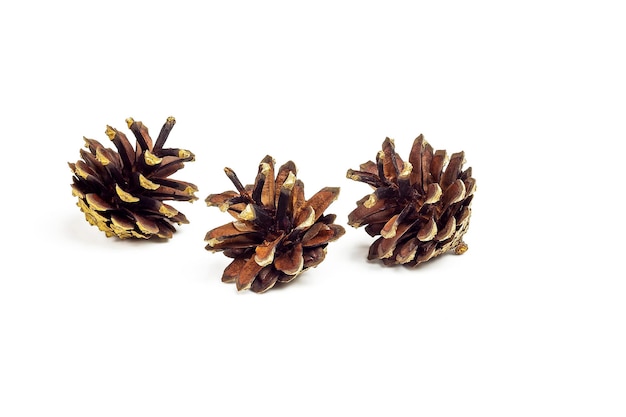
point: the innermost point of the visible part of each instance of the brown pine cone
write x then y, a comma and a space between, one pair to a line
420, 207
122, 192
277, 234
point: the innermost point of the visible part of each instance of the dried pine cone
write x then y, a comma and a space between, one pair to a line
277, 233
122, 192
420, 207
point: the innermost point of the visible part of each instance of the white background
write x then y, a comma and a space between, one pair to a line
530, 321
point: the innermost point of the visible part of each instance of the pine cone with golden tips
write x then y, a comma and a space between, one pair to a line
277, 234
123, 192
420, 208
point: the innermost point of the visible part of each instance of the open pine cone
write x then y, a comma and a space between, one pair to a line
122, 192
277, 233
420, 207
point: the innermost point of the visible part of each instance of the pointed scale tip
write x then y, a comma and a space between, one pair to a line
167, 211
352, 175
110, 132
264, 167
101, 157
184, 153
290, 181
406, 171
269, 159
125, 196
151, 159
333, 191
371, 200
248, 213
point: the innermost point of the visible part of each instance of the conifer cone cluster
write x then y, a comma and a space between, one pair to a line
420, 208
277, 233
122, 192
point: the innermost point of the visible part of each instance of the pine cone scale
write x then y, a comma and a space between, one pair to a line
247, 274
265, 280
233, 269
124, 148
391, 162
416, 158
144, 141
453, 169
243, 241
329, 233
367, 207
320, 201
264, 253
291, 261
380, 216
436, 166
282, 175
226, 231
313, 256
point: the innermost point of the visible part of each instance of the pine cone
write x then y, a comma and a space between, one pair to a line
277, 234
122, 192
420, 207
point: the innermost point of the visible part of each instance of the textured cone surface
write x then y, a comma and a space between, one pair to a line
420, 208
277, 234
122, 191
